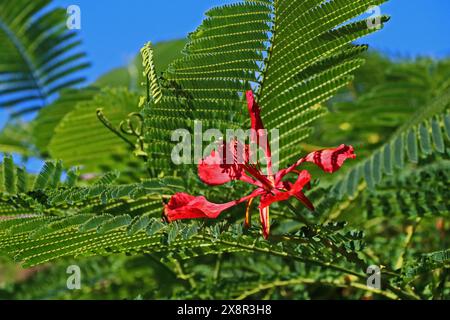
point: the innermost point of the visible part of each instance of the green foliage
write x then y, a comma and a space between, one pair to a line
81, 139
153, 87
255, 43
310, 59
415, 193
38, 57
16, 137
394, 91
426, 125
426, 263
388, 208
48, 118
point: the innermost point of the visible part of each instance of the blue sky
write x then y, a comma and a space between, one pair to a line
114, 31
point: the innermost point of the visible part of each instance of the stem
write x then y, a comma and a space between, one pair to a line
286, 255
403, 294
410, 230
111, 127
292, 282
439, 291
218, 267
182, 275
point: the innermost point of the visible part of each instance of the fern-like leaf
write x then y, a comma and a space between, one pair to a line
38, 57
153, 88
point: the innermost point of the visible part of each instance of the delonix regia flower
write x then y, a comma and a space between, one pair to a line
270, 187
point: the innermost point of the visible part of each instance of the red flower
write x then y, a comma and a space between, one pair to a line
216, 170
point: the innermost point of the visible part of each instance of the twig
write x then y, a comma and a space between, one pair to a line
218, 267
111, 127
182, 275
293, 282
410, 230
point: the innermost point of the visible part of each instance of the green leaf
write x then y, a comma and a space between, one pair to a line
425, 139
38, 56
82, 140
22, 180
425, 263
437, 136
9, 174
412, 146
387, 159
49, 117
16, 137
45, 176
114, 223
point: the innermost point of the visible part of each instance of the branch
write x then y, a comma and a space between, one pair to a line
337, 284
410, 230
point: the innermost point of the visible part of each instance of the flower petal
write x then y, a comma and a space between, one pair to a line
330, 160
303, 199
259, 135
294, 190
303, 179
254, 111
275, 196
213, 172
225, 164
185, 206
